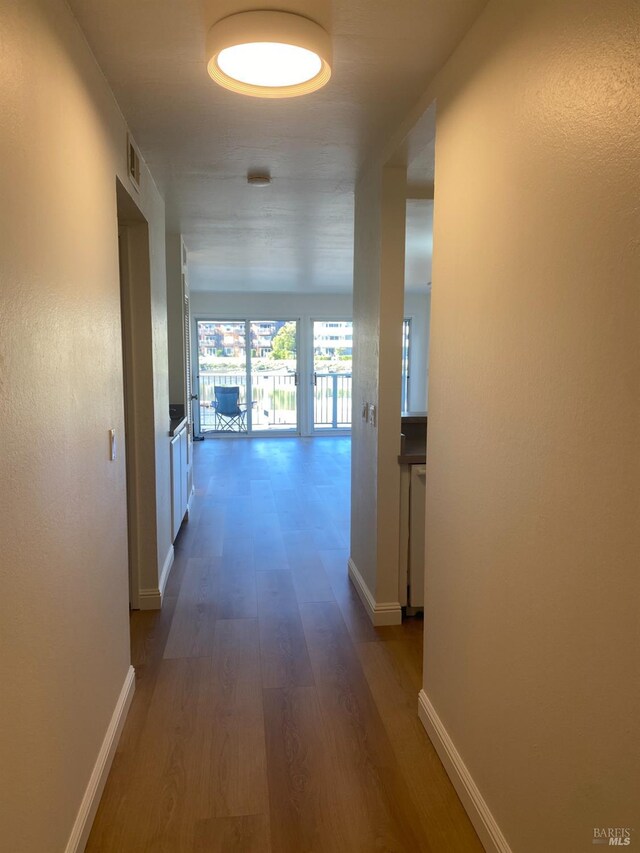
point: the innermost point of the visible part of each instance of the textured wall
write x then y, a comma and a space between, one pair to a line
366, 317
392, 251
378, 304
533, 541
270, 305
158, 269
63, 562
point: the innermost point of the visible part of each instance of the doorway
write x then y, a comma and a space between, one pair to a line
137, 446
247, 377
126, 321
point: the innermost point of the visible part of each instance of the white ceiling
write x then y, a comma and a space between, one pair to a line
200, 140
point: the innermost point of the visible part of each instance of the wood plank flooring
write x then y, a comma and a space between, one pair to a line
269, 715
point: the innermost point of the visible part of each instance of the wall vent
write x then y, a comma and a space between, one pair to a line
133, 162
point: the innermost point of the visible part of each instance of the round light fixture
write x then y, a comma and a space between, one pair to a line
269, 54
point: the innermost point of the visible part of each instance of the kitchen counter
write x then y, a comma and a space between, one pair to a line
413, 418
175, 425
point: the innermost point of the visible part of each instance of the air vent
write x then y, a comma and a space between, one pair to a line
133, 163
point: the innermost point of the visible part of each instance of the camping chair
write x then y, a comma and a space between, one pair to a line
230, 416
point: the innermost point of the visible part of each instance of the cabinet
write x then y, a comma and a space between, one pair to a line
412, 459
179, 479
412, 540
416, 535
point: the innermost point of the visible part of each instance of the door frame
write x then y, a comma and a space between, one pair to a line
129, 412
138, 447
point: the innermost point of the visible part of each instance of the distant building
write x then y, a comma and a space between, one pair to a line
333, 338
217, 338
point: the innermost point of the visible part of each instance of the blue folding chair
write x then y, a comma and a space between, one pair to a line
230, 415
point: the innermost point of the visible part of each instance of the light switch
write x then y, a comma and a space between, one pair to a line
113, 445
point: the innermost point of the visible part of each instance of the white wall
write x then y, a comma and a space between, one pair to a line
366, 319
417, 308
278, 306
175, 318
378, 303
533, 468
268, 306
63, 564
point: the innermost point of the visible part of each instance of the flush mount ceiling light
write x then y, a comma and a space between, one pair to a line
269, 54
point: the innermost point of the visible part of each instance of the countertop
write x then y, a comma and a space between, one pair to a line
175, 425
413, 418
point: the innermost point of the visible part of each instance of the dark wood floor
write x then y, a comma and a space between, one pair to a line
269, 715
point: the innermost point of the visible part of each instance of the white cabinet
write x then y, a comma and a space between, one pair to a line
180, 476
183, 473
412, 540
416, 535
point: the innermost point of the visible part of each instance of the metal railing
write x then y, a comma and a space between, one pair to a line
332, 401
274, 398
275, 401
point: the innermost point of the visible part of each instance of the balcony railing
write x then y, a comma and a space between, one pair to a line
274, 400
332, 401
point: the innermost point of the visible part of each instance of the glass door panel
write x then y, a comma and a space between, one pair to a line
222, 377
406, 354
332, 351
274, 375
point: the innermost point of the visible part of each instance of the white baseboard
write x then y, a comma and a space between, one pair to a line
98, 778
166, 570
151, 599
483, 821
380, 613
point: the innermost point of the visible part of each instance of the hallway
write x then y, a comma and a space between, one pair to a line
269, 714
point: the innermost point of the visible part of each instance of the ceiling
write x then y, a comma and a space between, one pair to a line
200, 140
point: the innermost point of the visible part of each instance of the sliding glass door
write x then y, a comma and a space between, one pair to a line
332, 352
247, 376
406, 361
222, 364
273, 370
